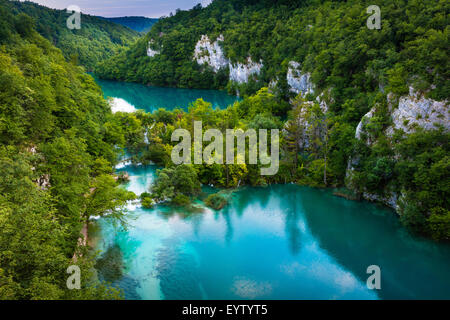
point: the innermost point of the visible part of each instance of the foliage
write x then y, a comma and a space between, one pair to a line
329, 38
176, 184
147, 200
216, 201
97, 40
56, 160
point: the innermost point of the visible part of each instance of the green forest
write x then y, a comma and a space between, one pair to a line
60, 142
330, 38
96, 41
57, 153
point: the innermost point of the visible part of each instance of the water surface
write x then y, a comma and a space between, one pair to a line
278, 242
128, 97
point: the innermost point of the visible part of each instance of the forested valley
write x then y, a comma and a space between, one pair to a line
60, 142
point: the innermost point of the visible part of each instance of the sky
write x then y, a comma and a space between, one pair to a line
120, 8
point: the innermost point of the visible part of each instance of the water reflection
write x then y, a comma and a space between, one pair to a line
359, 234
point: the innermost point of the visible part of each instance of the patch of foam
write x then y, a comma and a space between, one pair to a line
121, 105
123, 164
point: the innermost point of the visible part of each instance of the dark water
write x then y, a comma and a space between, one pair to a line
131, 96
279, 242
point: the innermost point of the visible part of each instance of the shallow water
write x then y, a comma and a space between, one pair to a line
278, 242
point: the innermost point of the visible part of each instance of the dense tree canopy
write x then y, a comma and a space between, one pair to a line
97, 39
56, 160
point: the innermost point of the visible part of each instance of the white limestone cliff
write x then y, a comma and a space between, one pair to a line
411, 112
241, 73
151, 52
211, 53
299, 82
415, 110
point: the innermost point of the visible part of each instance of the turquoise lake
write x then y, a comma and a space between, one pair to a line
277, 242
132, 96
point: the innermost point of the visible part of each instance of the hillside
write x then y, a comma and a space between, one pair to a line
139, 24
97, 40
368, 109
56, 159
329, 40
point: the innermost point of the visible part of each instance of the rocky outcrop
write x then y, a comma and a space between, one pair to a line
211, 54
151, 52
44, 182
360, 129
389, 200
411, 112
240, 72
303, 121
415, 111
299, 83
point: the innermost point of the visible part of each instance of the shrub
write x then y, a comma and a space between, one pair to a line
216, 201
181, 200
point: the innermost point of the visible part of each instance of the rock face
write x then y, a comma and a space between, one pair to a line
240, 73
212, 54
299, 82
390, 200
415, 110
365, 120
305, 125
150, 51
412, 111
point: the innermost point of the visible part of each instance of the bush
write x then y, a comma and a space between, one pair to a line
439, 224
216, 201
147, 200
181, 200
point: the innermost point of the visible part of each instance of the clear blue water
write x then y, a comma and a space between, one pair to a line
151, 98
278, 242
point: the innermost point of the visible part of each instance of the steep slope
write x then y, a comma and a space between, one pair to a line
56, 158
139, 24
327, 40
97, 40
